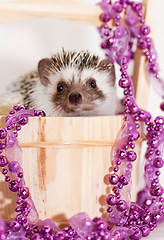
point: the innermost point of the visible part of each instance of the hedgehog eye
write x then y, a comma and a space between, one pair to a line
60, 87
92, 83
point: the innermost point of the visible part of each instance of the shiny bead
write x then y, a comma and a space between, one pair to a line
40, 113
60, 235
109, 209
118, 162
7, 179
159, 120
157, 216
116, 190
11, 111
162, 106
117, 7
137, 235
18, 127
111, 200
25, 206
14, 185
22, 107
23, 192
145, 30
15, 107
120, 186
17, 209
23, 121
101, 225
138, 7
146, 218
110, 41
158, 162
113, 179
104, 17
145, 231
4, 171
20, 174
3, 133
124, 82
46, 229
19, 201
115, 169
128, 101
121, 205
15, 226
123, 180
21, 218
121, 153
3, 161
135, 215
156, 191
142, 44
2, 145
131, 156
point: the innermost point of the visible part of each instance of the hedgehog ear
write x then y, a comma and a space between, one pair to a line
45, 66
108, 66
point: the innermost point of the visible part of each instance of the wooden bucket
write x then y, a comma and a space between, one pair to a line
67, 161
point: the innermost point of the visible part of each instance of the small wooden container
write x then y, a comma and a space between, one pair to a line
67, 161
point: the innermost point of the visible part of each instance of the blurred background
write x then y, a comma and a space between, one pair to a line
24, 43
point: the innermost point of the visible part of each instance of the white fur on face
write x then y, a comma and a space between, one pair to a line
42, 96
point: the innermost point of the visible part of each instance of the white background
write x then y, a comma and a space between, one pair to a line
23, 44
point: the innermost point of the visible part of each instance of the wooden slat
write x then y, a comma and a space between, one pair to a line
64, 9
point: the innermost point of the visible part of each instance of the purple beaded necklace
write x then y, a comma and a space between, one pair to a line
125, 218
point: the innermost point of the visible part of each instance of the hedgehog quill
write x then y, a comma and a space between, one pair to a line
71, 84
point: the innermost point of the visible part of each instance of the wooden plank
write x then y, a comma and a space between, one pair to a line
63, 9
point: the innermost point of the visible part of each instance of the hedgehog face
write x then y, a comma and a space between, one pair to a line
77, 89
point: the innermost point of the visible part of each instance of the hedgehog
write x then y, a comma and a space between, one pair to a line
71, 84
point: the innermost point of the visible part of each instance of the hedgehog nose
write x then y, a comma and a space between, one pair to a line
75, 98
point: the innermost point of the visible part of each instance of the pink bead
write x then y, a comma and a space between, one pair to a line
3, 161
3, 133
111, 200
117, 7
162, 106
113, 179
142, 44
145, 30
23, 192
104, 17
145, 231
158, 162
14, 185
121, 205
15, 226
156, 191
121, 153
123, 180
124, 82
110, 41
131, 156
